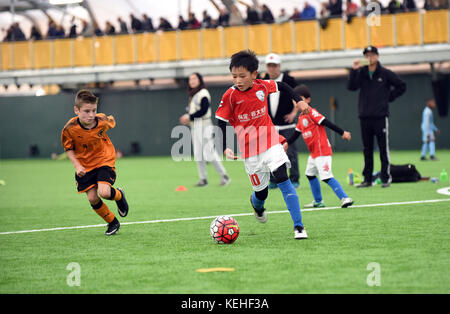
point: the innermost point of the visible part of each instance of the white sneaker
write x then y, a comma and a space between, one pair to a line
300, 233
262, 218
346, 202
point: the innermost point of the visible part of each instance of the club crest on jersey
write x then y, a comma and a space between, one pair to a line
260, 94
305, 122
100, 133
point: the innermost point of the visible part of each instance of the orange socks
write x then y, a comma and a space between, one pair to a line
103, 211
116, 195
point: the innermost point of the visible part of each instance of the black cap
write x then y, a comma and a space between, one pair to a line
370, 49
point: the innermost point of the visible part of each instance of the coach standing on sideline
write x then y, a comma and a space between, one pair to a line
379, 86
283, 113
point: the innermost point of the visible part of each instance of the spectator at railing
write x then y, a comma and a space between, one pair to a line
207, 21
193, 23
110, 29
324, 16
51, 31
35, 34
335, 8
395, 6
164, 25
309, 12
182, 24
224, 18
267, 16
283, 17
147, 23
297, 15
60, 32
136, 24
352, 8
409, 5
252, 16
88, 29
97, 30
73, 29
123, 26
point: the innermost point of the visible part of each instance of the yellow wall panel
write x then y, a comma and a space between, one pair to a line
22, 55
212, 46
6, 54
331, 36
145, 45
382, 35
356, 33
234, 40
258, 38
435, 27
305, 36
62, 53
125, 49
282, 38
190, 44
83, 52
167, 46
42, 55
103, 50
408, 28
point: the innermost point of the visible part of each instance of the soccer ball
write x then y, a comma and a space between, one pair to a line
224, 229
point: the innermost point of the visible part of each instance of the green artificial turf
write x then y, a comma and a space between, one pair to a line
408, 242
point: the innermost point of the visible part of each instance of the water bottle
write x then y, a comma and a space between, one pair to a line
444, 176
350, 176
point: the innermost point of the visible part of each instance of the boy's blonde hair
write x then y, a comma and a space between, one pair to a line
85, 96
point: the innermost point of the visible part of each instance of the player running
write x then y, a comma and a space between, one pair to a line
93, 155
244, 106
312, 128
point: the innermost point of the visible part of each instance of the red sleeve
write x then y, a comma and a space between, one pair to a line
225, 111
316, 116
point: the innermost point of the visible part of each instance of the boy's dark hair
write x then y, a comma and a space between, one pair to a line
85, 96
302, 90
246, 59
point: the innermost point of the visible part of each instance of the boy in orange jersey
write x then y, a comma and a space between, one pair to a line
93, 155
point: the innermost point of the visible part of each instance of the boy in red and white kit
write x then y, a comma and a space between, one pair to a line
244, 106
312, 128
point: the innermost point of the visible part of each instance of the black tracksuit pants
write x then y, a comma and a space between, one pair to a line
379, 128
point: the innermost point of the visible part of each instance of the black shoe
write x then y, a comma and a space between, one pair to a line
365, 184
423, 158
433, 158
202, 182
122, 205
113, 227
385, 185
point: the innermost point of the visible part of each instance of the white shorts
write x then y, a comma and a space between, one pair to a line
260, 166
320, 166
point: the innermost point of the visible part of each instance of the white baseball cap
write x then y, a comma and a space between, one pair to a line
273, 58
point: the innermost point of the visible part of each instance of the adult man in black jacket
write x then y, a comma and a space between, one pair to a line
283, 113
378, 86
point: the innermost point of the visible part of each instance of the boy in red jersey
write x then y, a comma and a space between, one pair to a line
312, 128
93, 156
244, 106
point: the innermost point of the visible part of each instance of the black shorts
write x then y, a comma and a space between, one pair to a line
103, 174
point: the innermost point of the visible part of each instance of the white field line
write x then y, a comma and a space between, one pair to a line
234, 215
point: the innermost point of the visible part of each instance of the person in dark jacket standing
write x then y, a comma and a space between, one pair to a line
378, 86
283, 113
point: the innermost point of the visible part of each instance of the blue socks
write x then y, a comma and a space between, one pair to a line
315, 189
291, 199
337, 188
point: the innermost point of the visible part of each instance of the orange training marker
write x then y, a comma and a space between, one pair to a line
181, 188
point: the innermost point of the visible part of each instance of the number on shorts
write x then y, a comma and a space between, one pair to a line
255, 179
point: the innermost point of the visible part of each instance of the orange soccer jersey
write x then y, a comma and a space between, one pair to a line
92, 147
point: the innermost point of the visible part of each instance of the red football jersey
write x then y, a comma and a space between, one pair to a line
247, 112
314, 134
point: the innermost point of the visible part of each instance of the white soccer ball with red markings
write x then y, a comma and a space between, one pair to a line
224, 230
